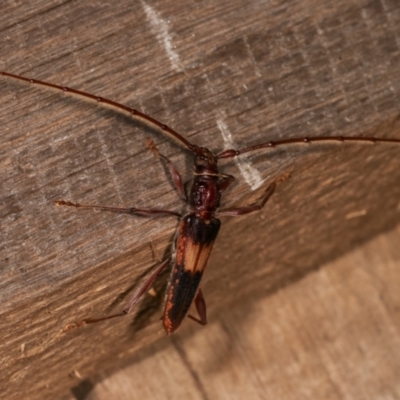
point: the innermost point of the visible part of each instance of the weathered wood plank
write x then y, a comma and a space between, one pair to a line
257, 70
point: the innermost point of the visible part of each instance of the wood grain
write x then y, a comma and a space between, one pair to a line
332, 335
258, 71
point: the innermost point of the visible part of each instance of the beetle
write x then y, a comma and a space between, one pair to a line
198, 229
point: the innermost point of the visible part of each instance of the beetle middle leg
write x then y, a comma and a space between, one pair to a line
144, 212
256, 207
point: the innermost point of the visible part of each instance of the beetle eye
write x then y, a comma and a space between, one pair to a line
200, 160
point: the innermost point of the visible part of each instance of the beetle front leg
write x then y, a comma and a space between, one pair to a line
175, 175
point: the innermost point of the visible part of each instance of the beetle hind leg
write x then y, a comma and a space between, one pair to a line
136, 296
201, 309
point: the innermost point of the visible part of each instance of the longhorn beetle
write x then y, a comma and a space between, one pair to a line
197, 229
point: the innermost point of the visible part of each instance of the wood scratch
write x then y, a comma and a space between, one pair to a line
250, 174
356, 214
160, 28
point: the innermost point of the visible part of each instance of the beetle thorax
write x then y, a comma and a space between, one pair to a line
205, 193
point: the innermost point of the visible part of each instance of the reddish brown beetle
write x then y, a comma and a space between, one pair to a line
199, 228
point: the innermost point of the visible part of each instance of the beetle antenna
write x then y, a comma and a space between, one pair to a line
131, 112
304, 140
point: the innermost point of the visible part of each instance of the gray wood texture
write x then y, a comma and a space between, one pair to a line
215, 71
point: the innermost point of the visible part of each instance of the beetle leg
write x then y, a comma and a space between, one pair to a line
201, 309
144, 212
145, 287
249, 209
136, 296
225, 181
175, 175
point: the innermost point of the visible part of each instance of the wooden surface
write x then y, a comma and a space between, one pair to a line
257, 71
333, 335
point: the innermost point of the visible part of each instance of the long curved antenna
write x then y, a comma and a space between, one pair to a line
175, 135
306, 140
114, 105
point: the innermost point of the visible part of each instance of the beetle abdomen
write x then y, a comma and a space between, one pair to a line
193, 247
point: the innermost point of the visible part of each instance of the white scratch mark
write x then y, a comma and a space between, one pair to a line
250, 174
251, 55
356, 214
100, 288
77, 374
160, 29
